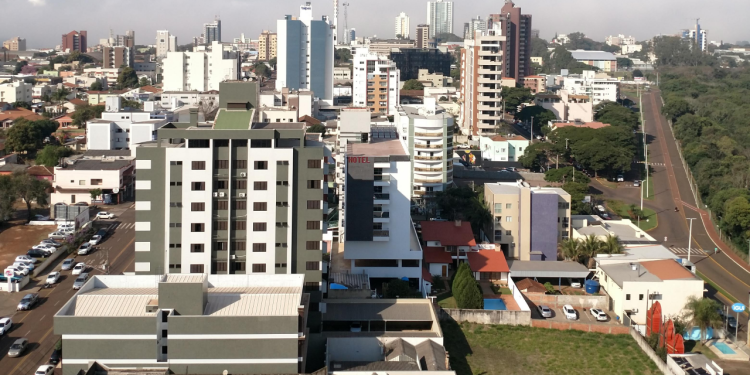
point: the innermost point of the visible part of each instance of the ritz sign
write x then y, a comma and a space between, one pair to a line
359, 159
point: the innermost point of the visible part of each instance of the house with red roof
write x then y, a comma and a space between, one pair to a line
445, 243
488, 264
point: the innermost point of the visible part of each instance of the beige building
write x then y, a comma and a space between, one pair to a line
481, 83
527, 222
432, 79
15, 44
266, 45
423, 36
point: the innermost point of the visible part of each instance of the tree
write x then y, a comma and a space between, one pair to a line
466, 289
447, 37
624, 63
590, 247
133, 104
569, 249
577, 191
86, 112
95, 194
96, 86
565, 174
262, 70
127, 78
413, 84
23, 137
515, 96
616, 115
703, 313
31, 189
342, 55
19, 66
536, 155
20, 104
538, 47
317, 128
460, 277
50, 155
8, 196
60, 95
541, 117
144, 82
637, 73
550, 288
612, 245
28, 69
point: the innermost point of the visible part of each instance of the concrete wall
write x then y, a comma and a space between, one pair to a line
641, 341
600, 328
589, 302
504, 317
349, 293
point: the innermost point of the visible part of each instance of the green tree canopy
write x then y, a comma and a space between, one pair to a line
616, 115
51, 154
317, 128
624, 63
515, 96
96, 86
413, 84
8, 197
637, 73
541, 116
127, 79
86, 112
262, 70
703, 313
144, 82
31, 189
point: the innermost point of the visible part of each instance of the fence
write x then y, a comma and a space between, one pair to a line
518, 296
589, 302
63, 250
504, 317
641, 341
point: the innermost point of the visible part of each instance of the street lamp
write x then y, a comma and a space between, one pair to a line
690, 237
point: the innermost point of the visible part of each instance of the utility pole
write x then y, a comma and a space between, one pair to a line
690, 237
532, 130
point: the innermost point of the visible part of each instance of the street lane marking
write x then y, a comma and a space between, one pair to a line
27, 333
44, 316
27, 356
56, 303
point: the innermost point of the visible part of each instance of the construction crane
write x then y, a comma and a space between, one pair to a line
346, 23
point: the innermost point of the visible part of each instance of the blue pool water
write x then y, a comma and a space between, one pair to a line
724, 348
494, 304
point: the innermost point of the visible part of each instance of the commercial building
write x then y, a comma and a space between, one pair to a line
502, 148
619, 40
604, 61
566, 106
385, 46
440, 17
426, 133
516, 28
212, 31
634, 286
127, 40
471, 27
122, 128
598, 87
75, 41
482, 61
17, 91
267, 45
111, 171
165, 43
15, 44
305, 54
187, 324
342, 73
402, 26
698, 36
116, 57
235, 197
536, 84
201, 70
375, 82
528, 222
423, 36
432, 79
411, 60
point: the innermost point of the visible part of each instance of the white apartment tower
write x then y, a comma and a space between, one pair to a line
440, 17
305, 54
481, 83
200, 70
375, 82
165, 42
402, 25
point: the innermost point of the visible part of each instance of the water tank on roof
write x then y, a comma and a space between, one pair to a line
592, 286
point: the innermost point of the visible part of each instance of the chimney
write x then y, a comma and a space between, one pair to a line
458, 223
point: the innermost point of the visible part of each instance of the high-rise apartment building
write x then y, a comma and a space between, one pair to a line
411, 60
375, 82
165, 42
352, 35
481, 83
266, 45
516, 28
305, 54
202, 69
440, 17
75, 41
234, 197
471, 27
212, 32
528, 222
15, 44
115, 57
698, 36
402, 26
423, 36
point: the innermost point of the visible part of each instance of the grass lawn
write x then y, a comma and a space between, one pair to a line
621, 209
478, 349
500, 289
447, 301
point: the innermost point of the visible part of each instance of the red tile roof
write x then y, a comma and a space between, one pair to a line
40, 170
487, 261
436, 255
66, 84
448, 233
151, 89
426, 275
15, 113
530, 286
76, 101
668, 269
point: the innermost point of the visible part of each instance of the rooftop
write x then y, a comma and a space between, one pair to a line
592, 125
501, 138
233, 119
96, 165
638, 253
436, 255
448, 233
377, 147
651, 271
541, 268
515, 188
350, 310
580, 54
487, 261
627, 232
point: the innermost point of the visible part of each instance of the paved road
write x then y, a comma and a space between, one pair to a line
36, 324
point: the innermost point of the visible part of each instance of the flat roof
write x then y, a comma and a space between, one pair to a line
95, 153
233, 119
580, 54
378, 310
279, 125
513, 188
96, 165
541, 268
651, 271
638, 253
625, 230
377, 147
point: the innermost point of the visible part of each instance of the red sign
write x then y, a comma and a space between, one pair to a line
359, 159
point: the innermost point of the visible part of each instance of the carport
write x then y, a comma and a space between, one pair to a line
547, 269
378, 315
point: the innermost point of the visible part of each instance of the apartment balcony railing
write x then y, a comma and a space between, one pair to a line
381, 196
381, 233
428, 134
419, 157
428, 169
428, 181
381, 214
422, 145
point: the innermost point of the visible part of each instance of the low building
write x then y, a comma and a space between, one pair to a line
634, 286
489, 265
628, 233
503, 148
567, 107
444, 242
536, 84
286, 105
110, 171
96, 97
599, 87
122, 128
604, 61
17, 91
692, 363
433, 79
637, 253
108, 74
342, 73
187, 324
8, 117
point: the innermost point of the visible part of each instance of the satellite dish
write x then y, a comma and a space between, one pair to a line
115, 190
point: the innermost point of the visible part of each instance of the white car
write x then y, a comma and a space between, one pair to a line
570, 312
45, 247
26, 259
50, 242
85, 248
25, 265
95, 239
59, 235
67, 231
38, 217
5, 324
80, 137
105, 215
62, 226
53, 278
599, 315
20, 270
80, 267
45, 370
574, 283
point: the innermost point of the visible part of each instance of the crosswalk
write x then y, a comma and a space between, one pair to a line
653, 164
123, 226
684, 251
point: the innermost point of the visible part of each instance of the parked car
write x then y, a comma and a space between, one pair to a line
574, 283
48, 248
25, 258
600, 208
28, 266
18, 347
95, 239
38, 217
56, 356
570, 312
105, 215
599, 315
53, 278
66, 225
81, 204
58, 235
51, 242
636, 183
67, 231
67, 264
511, 169
27, 302
80, 137
732, 322
85, 248
620, 178
79, 268
82, 278
20, 271
5, 324
545, 311
45, 370
36, 253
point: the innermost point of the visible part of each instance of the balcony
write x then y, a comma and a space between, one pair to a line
428, 181
428, 158
433, 170
381, 215
381, 198
379, 177
380, 235
423, 145
436, 135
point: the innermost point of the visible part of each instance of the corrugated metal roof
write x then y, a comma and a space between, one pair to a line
229, 304
184, 278
593, 55
113, 305
121, 291
540, 268
357, 312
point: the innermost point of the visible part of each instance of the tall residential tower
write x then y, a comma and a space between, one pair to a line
516, 29
440, 17
402, 26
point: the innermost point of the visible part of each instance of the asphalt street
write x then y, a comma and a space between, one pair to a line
37, 324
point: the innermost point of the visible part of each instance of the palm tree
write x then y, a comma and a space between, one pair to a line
569, 249
703, 313
590, 246
612, 245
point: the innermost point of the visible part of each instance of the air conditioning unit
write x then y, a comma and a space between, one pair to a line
216, 194
243, 174
221, 195
242, 195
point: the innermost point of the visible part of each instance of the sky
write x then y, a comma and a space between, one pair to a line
42, 22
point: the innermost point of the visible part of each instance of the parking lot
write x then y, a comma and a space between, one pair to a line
17, 239
584, 316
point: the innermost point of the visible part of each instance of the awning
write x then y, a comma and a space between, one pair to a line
541, 268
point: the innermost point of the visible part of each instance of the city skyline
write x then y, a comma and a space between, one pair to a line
723, 20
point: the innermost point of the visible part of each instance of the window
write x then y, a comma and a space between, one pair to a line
164, 348
282, 204
175, 163
498, 208
198, 186
240, 205
240, 164
220, 225
640, 297
260, 185
259, 248
196, 248
260, 143
259, 268
508, 219
239, 225
312, 245
313, 205
175, 225
627, 297
96, 181
239, 266
311, 287
221, 266
221, 184
241, 184
175, 183
259, 165
222, 164
280, 265
282, 162
282, 224
81, 182
280, 244
507, 233
221, 245
508, 206
238, 245
222, 205
282, 183
197, 206
199, 166
196, 268
313, 225
259, 227
313, 184
197, 227
311, 266
313, 163
175, 246
409, 263
175, 204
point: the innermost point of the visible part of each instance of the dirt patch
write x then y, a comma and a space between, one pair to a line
16, 239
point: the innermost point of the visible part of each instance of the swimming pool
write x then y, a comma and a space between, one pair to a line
494, 304
724, 348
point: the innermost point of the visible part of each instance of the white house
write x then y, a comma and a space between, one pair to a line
122, 128
202, 69
17, 91
599, 87
110, 171
502, 148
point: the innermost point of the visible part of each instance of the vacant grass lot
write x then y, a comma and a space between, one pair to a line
480, 349
623, 209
